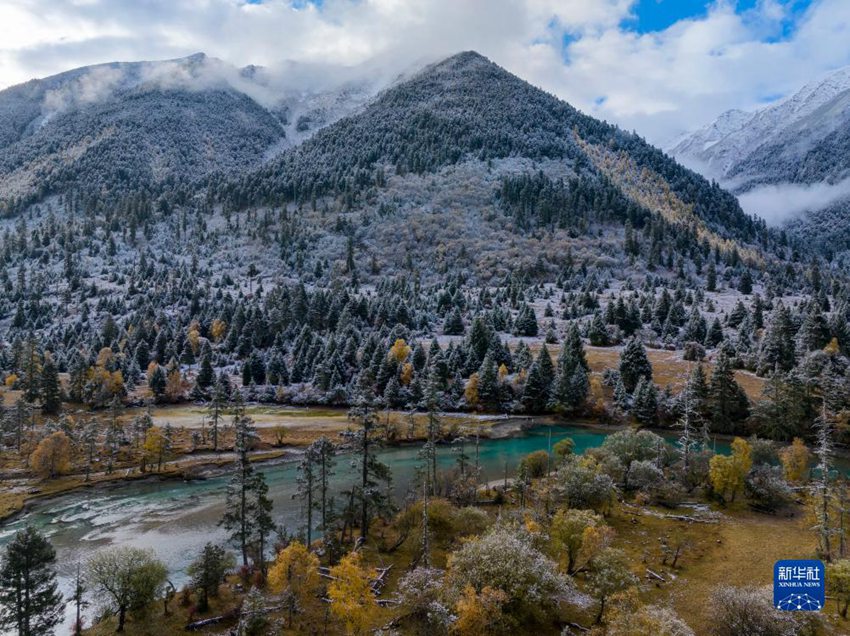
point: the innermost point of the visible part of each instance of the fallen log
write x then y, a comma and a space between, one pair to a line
655, 575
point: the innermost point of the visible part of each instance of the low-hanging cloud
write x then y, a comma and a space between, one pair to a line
783, 202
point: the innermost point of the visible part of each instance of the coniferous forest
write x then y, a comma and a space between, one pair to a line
463, 361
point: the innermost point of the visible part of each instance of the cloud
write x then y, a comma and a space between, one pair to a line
783, 202
585, 51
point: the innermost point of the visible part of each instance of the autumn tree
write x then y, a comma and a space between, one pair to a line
727, 472
351, 596
52, 456
576, 536
795, 461
157, 446
295, 574
838, 584
481, 613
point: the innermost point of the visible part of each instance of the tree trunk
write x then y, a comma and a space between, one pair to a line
122, 614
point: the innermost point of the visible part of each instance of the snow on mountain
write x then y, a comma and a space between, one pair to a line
736, 148
788, 162
139, 124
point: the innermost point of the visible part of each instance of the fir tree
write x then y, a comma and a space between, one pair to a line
538, 385
634, 364
728, 404
29, 594
51, 397
245, 503
374, 476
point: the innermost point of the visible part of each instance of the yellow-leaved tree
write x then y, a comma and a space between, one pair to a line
577, 536
406, 373
156, 446
470, 392
727, 473
795, 461
400, 350
217, 329
480, 613
350, 592
295, 573
52, 456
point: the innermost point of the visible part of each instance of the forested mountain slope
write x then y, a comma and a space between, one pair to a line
463, 211
467, 108
121, 128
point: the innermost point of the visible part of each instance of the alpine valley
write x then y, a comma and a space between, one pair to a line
207, 268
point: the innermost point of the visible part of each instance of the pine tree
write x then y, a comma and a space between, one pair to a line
728, 404
29, 594
538, 385
634, 364
526, 322
745, 284
453, 326
714, 336
488, 382
220, 396
711, 277
206, 375
777, 345
245, 497
597, 333
51, 397
571, 380
645, 402
375, 476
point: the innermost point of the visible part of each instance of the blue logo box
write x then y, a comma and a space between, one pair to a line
799, 585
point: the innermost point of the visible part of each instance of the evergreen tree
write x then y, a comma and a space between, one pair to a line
207, 573
634, 364
246, 506
453, 325
538, 385
777, 345
711, 277
715, 334
51, 397
220, 396
488, 382
597, 333
526, 322
30, 601
206, 375
371, 491
728, 404
571, 380
645, 402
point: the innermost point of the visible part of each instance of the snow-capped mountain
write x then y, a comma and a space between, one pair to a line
126, 126
777, 143
788, 162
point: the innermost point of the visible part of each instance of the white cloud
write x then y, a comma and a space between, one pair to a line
658, 83
785, 201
